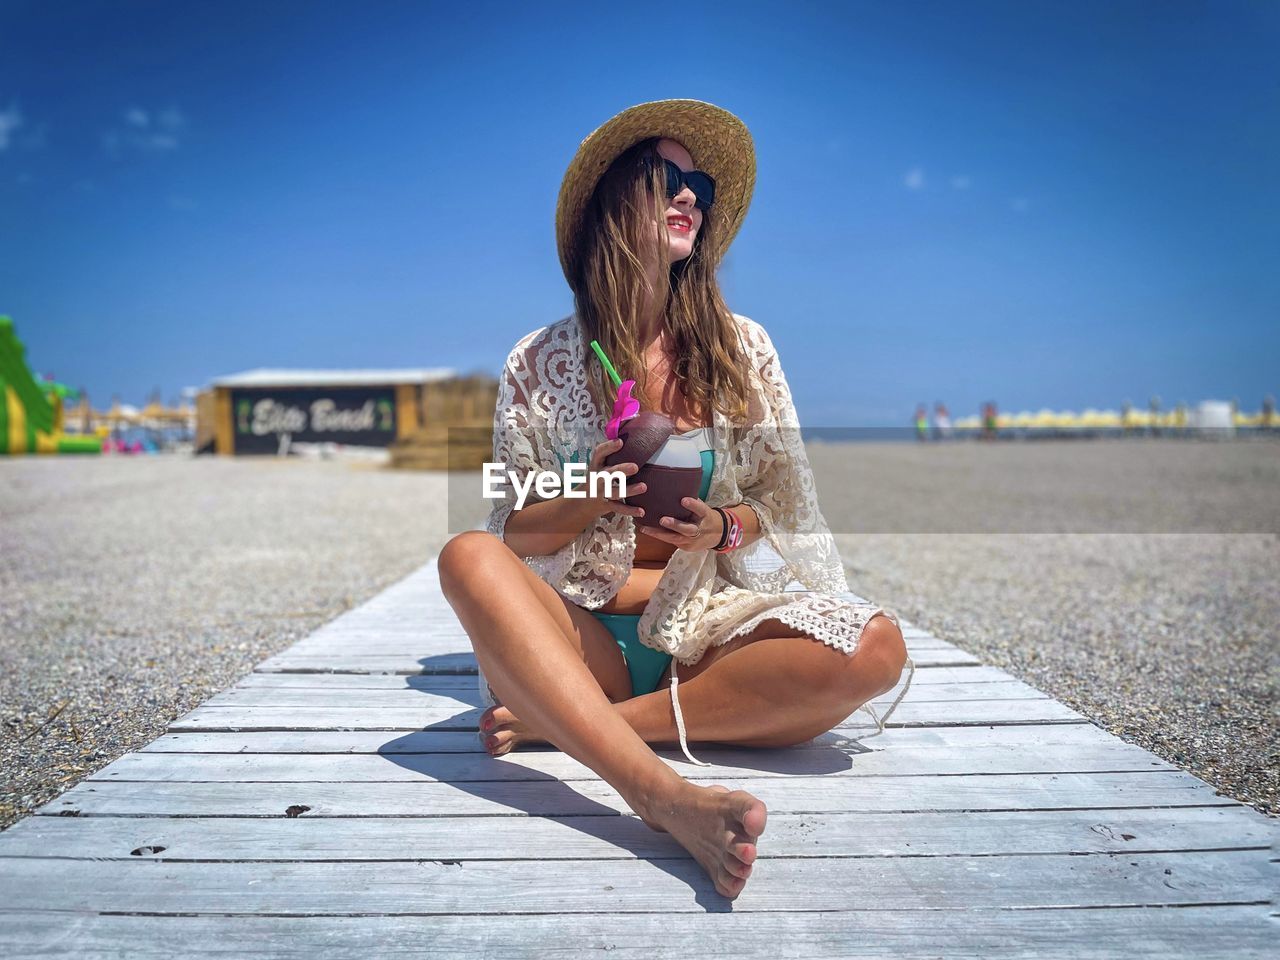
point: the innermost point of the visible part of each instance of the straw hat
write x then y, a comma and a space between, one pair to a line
718, 142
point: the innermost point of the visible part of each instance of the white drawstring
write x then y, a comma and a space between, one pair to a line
893, 706
675, 702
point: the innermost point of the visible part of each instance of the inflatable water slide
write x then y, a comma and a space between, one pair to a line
31, 410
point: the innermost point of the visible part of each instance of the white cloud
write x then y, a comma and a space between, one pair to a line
10, 120
961, 181
914, 179
146, 132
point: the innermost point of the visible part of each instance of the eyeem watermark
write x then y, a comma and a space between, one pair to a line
548, 484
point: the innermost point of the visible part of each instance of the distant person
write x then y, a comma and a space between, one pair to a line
989, 421
922, 423
941, 422
1154, 407
1268, 411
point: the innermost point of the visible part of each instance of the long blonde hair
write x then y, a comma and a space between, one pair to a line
609, 284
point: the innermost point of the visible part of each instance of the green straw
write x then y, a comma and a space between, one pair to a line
613, 374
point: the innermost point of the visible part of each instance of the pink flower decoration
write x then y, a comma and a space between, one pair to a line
624, 408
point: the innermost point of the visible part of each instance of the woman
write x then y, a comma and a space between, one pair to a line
577, 612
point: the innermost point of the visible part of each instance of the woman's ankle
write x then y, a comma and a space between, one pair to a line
654, 802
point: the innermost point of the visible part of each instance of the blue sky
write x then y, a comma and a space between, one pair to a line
1044, 204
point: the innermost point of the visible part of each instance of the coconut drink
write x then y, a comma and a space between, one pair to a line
670, 464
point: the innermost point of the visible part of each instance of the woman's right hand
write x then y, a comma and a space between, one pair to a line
603, 504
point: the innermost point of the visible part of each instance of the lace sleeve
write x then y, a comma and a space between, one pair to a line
520, 443
777, 482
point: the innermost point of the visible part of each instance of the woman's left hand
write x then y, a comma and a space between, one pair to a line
701, 533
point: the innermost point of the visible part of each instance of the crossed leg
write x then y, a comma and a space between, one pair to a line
772, 687
530, 661
777, 686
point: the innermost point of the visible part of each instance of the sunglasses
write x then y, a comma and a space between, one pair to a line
702, 184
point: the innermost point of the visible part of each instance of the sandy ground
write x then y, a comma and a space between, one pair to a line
1137, 581
1169, 641
133, 589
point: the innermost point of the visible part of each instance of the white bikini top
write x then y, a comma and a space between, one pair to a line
684, 449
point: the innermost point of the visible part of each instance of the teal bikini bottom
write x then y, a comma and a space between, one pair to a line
646, 664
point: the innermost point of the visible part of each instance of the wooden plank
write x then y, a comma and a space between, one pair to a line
370, 683
452, 716
462, 691
464, 663
543, 763
676, 885
416, 635
1238, 932
1065, 791
400, 621
376, 681
524, 838
1029, 737
1243, 933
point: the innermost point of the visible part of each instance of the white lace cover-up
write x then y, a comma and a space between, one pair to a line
546, 416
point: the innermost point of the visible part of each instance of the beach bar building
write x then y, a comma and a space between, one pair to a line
265, 411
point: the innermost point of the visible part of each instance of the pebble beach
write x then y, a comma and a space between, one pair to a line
134, 588
1136, 580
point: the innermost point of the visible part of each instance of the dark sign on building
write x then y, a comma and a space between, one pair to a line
358, 416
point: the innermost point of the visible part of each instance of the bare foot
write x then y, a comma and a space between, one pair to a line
501, 731
718, 826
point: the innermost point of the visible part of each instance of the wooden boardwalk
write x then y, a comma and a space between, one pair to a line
337, 802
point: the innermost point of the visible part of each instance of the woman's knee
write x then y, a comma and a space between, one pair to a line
882, 653
465, 557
